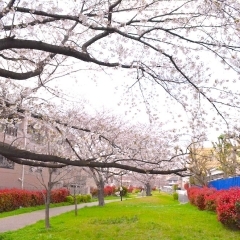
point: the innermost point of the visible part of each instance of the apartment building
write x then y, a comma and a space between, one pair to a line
13, 175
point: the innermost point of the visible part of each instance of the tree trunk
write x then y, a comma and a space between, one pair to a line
101, 193
75, 202
47, 206
48, 200
148, 190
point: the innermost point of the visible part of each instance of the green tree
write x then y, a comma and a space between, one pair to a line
223, 151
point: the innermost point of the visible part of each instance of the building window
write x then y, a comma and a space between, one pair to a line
5, 163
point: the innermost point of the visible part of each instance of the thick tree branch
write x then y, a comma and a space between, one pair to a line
12, 152
35, 163
20, 76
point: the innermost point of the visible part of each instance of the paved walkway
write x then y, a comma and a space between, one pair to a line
19, 221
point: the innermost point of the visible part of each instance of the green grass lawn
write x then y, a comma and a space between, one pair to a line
153, 218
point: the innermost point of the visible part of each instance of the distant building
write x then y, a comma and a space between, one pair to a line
14, 175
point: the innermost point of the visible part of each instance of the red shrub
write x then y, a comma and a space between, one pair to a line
59, 195
93, 191
225, 202
211, 200
109, 190
130, 189
228, 210
198, 196
192, 193
6, 201
11, 199
186, 186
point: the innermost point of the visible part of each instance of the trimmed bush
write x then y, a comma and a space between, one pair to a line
228, 209
109, 190
80, 199
11, 199
175, 196
59, 195
124, 191
226, 203
198, 196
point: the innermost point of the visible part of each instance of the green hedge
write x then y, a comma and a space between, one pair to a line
80, 198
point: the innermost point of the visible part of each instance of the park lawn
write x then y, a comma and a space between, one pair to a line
148, 218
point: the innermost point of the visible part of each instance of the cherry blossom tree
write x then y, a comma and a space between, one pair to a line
100, 141
170, 45
165, 43
48, 179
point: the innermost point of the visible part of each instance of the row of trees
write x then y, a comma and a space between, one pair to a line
40, 41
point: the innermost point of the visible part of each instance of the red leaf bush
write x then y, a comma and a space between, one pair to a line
198, 196
109, 190
59, 195
11, 199
226, 203
228, 208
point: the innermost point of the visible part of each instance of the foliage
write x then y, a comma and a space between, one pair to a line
124, 191
225, 153
155, 217
228, 207
108, 191
132, 189
197, 196
212, 199
186, 186
80, 198
93, 192
175, 187
59, 195
224, 202
175, 196
35, 46
11, 199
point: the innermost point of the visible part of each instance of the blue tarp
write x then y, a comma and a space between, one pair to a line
225, 183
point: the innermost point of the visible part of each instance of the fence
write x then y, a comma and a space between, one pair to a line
225, 183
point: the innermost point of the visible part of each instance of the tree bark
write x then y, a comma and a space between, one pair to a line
148, 189
48, 200
75, 202
101, 193
47, 207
